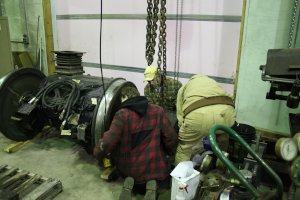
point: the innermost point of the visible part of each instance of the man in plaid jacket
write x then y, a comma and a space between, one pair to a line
140, 136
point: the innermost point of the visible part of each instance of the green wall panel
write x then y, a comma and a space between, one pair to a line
266, 27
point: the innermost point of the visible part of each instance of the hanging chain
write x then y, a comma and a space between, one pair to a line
152, 18
162, 49
163, 27
293, 23
162, 39
178, 39
151, 28
149, 58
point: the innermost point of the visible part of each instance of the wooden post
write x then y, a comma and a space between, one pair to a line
240, 49
48, 36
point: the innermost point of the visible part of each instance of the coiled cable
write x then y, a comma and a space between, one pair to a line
60, 95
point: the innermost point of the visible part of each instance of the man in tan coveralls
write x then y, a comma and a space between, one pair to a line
201, 103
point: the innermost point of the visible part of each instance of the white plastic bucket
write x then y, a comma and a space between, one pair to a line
191, 181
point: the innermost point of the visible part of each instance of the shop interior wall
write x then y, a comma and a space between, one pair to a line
208, 46
20, 13
267, 25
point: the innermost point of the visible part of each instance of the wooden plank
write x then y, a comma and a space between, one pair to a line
237, 71
2, 167
13, 179
11, 148
41, 191
26, 184
49, 35
50, 194
7, 173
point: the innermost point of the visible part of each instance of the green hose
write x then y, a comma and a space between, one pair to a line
233, 169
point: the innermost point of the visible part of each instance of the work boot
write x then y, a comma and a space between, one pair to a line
127, 189
151, 188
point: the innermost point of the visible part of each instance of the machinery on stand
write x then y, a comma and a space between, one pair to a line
241, 182
78, 106
282, 70
255, 166
226, 178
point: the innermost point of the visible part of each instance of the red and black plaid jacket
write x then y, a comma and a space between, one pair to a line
146, 159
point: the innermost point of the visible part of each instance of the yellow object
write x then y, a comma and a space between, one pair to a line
48, 35
150, 73
106, 163
219, 164
108, 173
15, 147
66, 132
234, 181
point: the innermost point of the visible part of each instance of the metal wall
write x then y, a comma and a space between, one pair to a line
26, 17
209, 38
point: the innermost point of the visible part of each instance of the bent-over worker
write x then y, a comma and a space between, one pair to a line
201, 103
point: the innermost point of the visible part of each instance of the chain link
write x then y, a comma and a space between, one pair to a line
178, 39
149, 32
163, 11
162, 47
162, 35
152, 18
293, 23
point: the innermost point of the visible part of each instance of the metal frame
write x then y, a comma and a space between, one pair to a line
141, 70
216, 18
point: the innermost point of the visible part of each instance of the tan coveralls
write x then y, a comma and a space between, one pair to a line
196, 124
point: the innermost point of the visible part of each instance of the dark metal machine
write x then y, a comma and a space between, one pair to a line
282, 70
79, 106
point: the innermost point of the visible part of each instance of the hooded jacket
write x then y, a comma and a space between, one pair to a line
139, 138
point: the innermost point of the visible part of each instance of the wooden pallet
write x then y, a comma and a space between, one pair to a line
26, 185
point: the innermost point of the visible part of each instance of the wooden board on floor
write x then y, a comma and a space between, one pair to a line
27, 185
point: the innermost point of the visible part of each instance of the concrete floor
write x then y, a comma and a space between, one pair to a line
63, 159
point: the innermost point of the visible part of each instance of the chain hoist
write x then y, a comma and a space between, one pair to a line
293, 24
178, 39
162, 49
152, 18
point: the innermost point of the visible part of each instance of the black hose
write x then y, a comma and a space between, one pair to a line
60, 95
